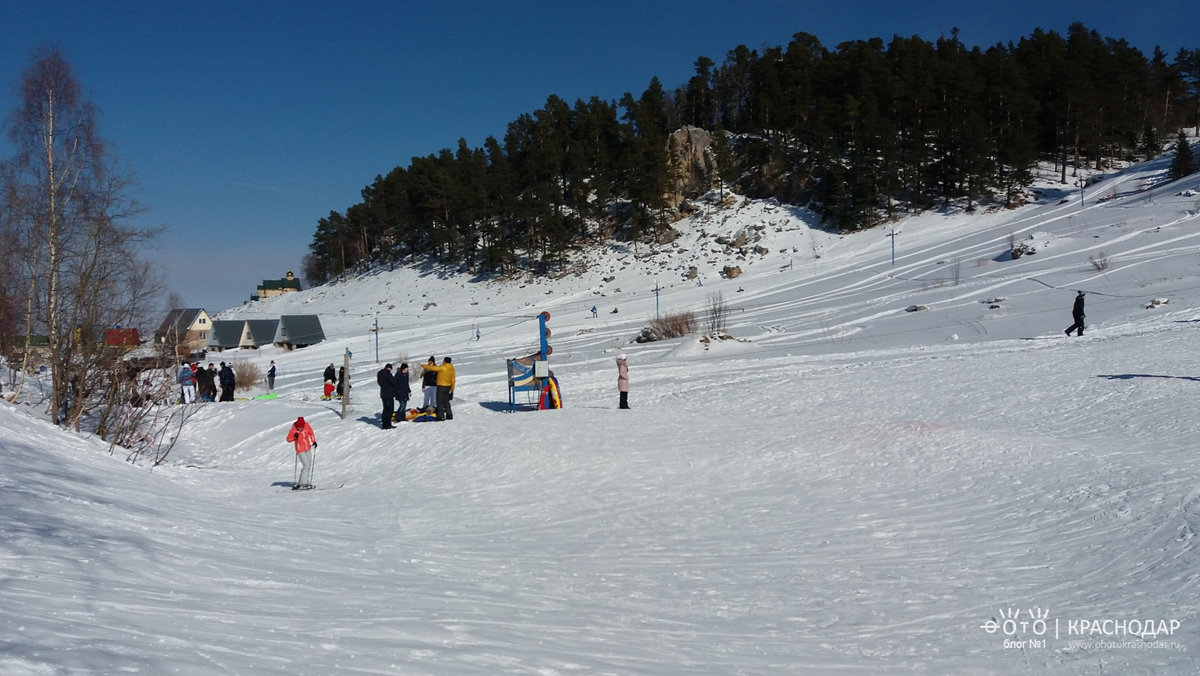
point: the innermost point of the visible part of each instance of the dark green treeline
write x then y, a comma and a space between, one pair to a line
861, 133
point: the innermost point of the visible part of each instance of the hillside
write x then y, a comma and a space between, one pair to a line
847, 487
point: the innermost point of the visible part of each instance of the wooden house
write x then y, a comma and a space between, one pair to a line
185, 331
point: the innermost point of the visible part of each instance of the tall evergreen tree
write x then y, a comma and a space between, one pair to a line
1184, 163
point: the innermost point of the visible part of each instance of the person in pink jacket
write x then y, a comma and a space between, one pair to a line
623, 380
302, 434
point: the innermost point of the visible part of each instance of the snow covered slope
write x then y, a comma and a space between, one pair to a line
850, 488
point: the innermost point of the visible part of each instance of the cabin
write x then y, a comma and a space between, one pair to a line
185, 331
226, 334
277, 287
259, 332
299, 331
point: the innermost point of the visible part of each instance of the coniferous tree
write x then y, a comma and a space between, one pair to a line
1184, 163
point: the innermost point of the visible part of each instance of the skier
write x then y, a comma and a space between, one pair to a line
271, 377
445, 387
302, 434
1077, 314
403, 391
330, 375
478, 335
613, 312
187, 384
623, 380
341, 382
429, 387
387, 392
594, 315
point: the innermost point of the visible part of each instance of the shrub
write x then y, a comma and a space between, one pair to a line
245, 375
673, 325
717, 313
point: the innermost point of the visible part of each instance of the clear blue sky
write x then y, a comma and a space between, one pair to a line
245, 122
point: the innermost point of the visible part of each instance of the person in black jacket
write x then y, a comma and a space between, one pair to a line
387, 392
228, 381
204, 381
429, 388
1077, 314
330, 375
403, 391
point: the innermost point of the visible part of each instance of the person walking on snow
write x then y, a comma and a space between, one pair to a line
271, 377
403, 391
301, 433
429, 387
623, 380
1077, 314
445, 388
187, 384
387, 392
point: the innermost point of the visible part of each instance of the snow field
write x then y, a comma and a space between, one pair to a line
850, 491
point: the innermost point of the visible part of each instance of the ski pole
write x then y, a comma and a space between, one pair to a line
312, 468
295, 464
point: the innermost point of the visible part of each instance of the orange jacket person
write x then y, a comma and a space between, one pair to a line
302, 434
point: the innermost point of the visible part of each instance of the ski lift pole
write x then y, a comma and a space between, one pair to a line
893, 234
656, 297
376, 337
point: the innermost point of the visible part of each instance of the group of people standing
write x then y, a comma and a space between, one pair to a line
197, 382
437, 383
335, 382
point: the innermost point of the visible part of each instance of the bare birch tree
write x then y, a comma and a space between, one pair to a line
68, 201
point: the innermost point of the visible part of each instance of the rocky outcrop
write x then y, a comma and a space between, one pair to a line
696, 163
732, 271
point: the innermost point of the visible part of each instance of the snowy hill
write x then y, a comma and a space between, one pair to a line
851, 487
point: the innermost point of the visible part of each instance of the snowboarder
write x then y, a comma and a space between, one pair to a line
429, 387
623, 380
403, 391
301, 433
1077, 314
187, 384
271, 377
387, 392
445, 387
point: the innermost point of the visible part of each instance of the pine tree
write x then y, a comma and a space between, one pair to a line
1184, 163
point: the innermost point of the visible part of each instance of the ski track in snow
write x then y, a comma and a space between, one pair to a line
848, 491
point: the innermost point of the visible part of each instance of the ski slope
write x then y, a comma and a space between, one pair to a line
845, 487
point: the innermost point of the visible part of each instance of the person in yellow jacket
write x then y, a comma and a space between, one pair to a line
445, 387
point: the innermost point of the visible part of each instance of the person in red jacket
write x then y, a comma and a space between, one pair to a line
302, 434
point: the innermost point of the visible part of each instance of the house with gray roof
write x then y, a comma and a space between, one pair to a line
299, 331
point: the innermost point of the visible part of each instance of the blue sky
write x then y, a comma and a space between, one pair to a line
245, 122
